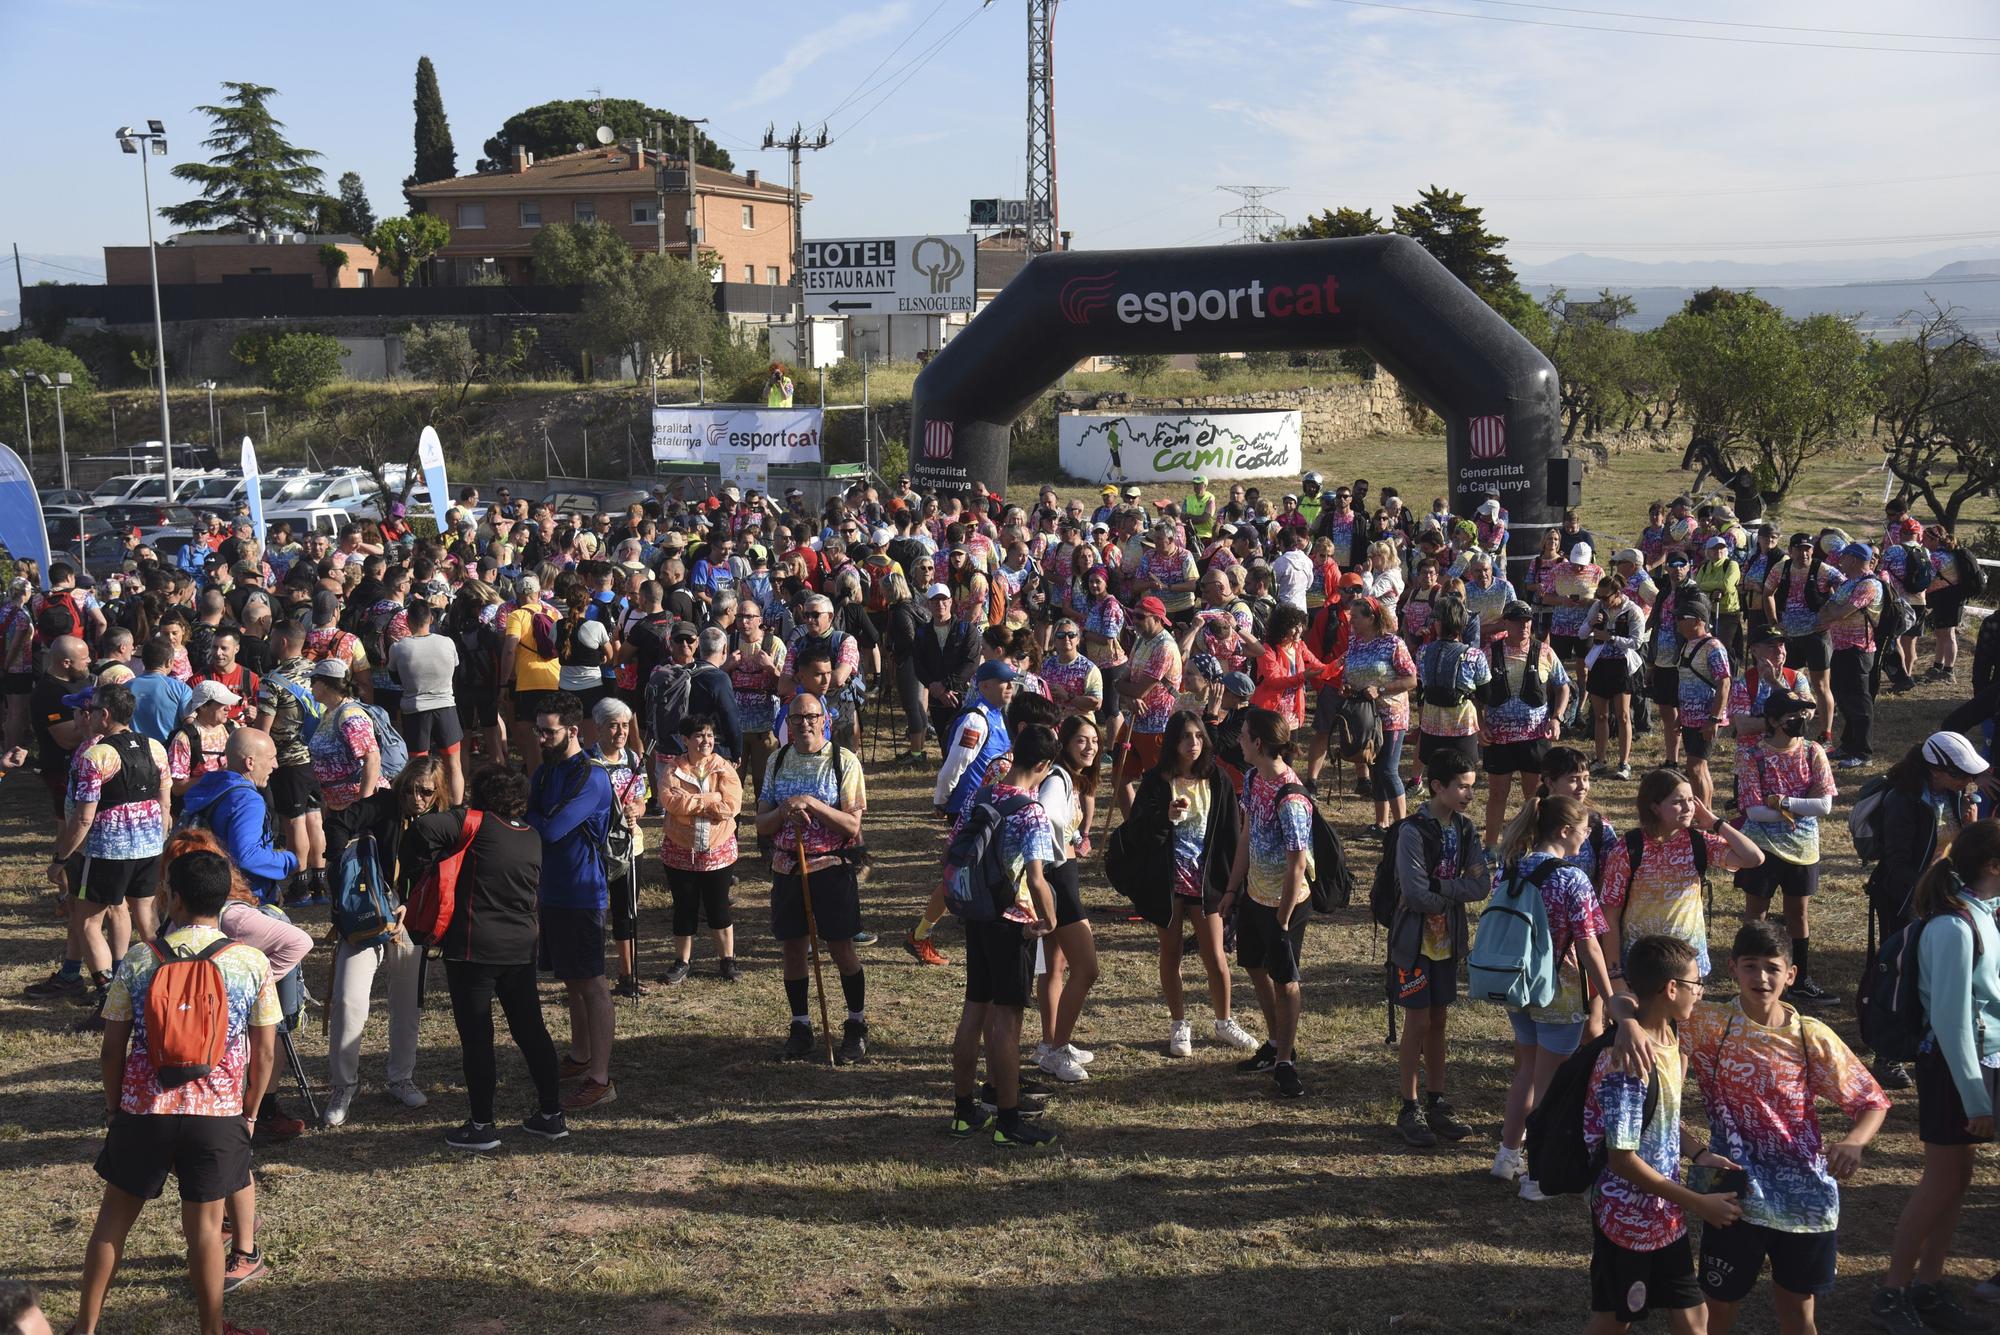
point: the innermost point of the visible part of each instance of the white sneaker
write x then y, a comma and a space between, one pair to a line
1228, 1032
407, 1093
1509, 1165
1531, 1192
1081, 1056
1180, 1039
338, 1100
1058, 1063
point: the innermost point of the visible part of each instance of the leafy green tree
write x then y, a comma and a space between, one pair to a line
558, 127
33, 357
1212, 365
256, 179
332, 259
1938, 401
405, 245
1336, 223
1142, 366
436, 159
657, 308
1712, 299
443, 354
1456, 233
586, 254
297, 364
351, 214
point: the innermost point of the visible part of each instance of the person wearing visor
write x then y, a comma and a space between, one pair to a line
1785, 785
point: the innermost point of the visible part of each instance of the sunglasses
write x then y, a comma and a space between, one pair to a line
429, 791
1065, 634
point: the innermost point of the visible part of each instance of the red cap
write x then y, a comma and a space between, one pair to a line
1352, 580
1151, 606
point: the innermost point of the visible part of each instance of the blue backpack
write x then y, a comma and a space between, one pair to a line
978, 879
364, 904
395, 752
1512, 962
311, 711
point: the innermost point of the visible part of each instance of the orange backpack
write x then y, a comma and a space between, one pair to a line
187, 1013
434, 901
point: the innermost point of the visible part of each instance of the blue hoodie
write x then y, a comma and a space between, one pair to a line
231, 806
569, 805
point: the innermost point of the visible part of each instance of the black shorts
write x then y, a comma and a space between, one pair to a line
1066, 882
1663, 688
428, 730
1424, 984
1775, 877
572, 945
1697, 743
1940, 1112
209, 1155
480, 712
999, 965
1262, 944
294, 791
1515, 757
836, 905
1569, 648
112, 881
1629, 1284
1610, 675
527, 704
17, 683
1809, 653
1430, 747
1733, 1257
1947, 612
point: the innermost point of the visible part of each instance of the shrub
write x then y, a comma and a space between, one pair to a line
440, 353
1213, 365
1142, 366
297, 364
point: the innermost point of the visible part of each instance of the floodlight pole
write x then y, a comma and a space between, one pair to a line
155, 140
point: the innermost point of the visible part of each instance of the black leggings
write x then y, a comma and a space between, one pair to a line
700, 894
474, 988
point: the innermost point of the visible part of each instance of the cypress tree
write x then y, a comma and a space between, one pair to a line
437, 160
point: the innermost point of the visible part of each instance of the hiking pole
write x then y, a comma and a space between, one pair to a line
812, 946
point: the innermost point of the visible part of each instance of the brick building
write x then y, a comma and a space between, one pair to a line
220, 257
494, 216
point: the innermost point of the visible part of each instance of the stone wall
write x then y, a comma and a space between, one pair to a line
1326, 415
200, 349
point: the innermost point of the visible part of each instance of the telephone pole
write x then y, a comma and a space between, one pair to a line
1043, 224
1253, 221
796, 144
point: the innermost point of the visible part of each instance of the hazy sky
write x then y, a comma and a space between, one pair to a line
1643, 146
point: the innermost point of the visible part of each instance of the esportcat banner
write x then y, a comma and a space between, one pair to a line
711, 434
1176, 447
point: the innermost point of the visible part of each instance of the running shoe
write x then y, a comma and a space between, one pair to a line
276, 1128
864, 938
798, 1041
549, 1126
1232, 1034
243, 1268
1410, 1125
676, 975
1180, 1039
473, 1136
1509, 1165
853, 1043
1058, 1063
569, 1068
406, 1093
923, 951
1263, 1059
629, 987
1939, 1309
1852, 762
1806, 992
1623, 773
1531, 1190
1033, 1097
960, 1129
589, 1095
1440, 1118
1891, 1310
57, 984
1022, 1136
1892, 1075
1987, 1290
1080, 1056
1287, 1076
338, 1100
725, 969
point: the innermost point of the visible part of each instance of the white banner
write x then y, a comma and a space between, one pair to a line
709, 435
253, 489
750, 472
430, 457
1175, 447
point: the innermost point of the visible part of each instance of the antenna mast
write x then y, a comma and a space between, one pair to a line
1043, 224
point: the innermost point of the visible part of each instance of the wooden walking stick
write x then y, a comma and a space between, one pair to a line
812, 946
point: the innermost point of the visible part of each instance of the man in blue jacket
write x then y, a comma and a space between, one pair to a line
229, 802
569, 804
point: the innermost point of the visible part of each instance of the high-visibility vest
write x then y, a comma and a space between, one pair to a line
1200, 511
1310, 506
779, 395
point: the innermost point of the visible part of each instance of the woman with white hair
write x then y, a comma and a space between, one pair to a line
626, 768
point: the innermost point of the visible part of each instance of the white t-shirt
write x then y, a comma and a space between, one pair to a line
586, 677
1058, 798
1291, 575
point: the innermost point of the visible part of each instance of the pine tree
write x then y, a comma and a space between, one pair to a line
437, 160
256, 178
351, 213
1455, 233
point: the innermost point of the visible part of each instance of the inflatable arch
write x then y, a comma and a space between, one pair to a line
1385, 294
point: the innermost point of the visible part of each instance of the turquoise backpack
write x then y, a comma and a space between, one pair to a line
1513, 958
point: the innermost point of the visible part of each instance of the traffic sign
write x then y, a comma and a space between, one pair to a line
890, 275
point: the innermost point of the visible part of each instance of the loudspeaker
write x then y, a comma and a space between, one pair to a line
1565, 482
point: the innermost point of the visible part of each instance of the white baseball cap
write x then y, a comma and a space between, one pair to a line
213, 693
1579, 555
936, 591
1952, 750
1490, 508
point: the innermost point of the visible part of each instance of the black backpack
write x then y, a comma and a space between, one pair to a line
1332, 884
1534, 689
1971, 575
1560, 1161
1917, 571
1635, 853
667, 701
1895, 618
1890, 1004
1440, 674
1386, 894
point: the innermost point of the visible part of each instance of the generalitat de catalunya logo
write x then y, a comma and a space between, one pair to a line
1084, 296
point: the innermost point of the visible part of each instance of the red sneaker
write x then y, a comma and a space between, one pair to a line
277, 1128
242, 1268
589, 1094
923, 951
569, 1068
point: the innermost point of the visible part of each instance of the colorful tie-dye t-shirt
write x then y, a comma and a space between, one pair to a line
836, 782
1485, 604
1704, 674
1190, 835
1025, 836
1574, 913
1791, 584
1102, 627
1069, 681
1159, 660
1614, 1116
1765, 775
756, 704
1855, 632
1276, 830
133, 829
253, 1003
1760, 1085
1574, 581
1474, 672
1376, 663
1665, 897
1515, 720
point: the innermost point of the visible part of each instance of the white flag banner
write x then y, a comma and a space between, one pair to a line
430, 457
253, 489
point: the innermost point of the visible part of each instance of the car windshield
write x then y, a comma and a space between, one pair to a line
298, 489
216, 489
111, 490
179, 516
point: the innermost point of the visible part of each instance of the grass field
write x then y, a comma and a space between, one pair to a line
724, 1192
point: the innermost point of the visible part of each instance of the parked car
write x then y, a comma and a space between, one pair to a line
345, 489
59, 498
63, 530
146, 514
609, 501
304, 519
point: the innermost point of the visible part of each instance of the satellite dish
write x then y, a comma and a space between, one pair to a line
579, 148
604, 135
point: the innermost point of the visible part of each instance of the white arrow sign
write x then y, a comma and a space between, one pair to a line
890, 275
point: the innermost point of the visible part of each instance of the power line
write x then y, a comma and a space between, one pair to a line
1727, 23
856, 91
1788, 281
1651, 32
908, 71
63, 268
1253, 222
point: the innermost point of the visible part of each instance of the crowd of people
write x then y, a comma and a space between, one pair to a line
465, 747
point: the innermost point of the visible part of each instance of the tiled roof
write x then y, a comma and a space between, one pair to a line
597, 168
